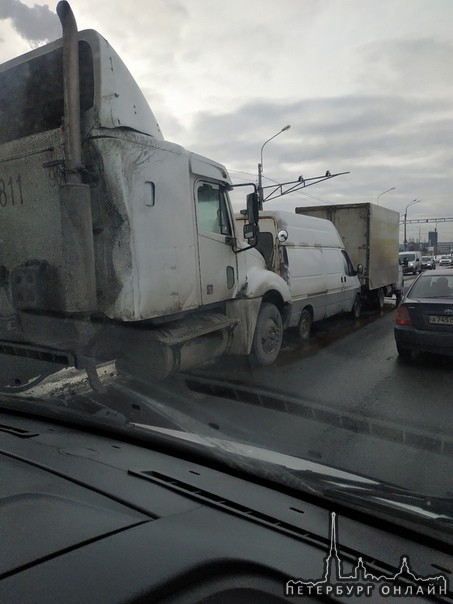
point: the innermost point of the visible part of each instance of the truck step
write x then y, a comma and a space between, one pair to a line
188, 329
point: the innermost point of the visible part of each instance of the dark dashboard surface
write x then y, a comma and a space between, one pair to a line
89, 518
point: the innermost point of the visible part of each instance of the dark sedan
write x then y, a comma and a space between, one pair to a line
424, 319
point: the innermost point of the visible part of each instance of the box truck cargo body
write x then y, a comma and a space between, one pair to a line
370, 234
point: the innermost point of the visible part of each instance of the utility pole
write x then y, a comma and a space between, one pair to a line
405, 221
260, 166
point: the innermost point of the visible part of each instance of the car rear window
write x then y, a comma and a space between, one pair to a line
433, 287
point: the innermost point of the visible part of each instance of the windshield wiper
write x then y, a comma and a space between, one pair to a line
384, 496
313, 478
76, 409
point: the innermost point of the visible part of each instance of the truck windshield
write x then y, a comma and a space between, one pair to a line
31, 94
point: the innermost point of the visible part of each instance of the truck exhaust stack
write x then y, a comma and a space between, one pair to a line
73, 143
78, 249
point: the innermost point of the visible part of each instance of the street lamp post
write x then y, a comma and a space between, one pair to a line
405, 220
260, 166
383, 193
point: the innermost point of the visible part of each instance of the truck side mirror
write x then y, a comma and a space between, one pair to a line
253, 208
251, 229
360, 269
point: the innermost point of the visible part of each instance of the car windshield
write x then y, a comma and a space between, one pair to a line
215, 268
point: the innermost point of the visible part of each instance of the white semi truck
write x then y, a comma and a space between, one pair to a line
115, 243
370, 234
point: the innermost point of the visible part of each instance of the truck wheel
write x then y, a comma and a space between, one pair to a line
379, 298
305, 322
357, 307
268, 337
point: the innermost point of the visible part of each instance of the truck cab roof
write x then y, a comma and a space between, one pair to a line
31, 91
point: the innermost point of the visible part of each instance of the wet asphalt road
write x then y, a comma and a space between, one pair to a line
343, 398
354, 366
346, 399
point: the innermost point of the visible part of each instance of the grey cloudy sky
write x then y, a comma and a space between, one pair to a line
365, 84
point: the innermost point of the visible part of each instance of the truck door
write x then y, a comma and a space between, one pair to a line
218, 262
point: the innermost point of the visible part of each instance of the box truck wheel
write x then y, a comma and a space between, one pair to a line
380, 298
375, 298
305, 324
268, 337
357, 307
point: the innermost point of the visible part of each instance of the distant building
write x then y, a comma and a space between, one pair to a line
444, 247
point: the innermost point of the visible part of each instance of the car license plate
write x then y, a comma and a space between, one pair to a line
440, 320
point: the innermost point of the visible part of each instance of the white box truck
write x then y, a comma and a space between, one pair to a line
370, 234
114, 243
309, 254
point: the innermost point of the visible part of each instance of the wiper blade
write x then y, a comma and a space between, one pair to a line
385, 496
316, 479
77, 408
301, 474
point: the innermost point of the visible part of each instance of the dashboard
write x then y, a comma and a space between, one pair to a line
89, 517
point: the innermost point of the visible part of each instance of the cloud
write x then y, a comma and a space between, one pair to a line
365, 87
418, 67
352, 126
383, 141
35, 24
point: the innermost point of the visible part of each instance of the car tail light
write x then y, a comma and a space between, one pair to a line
402, 316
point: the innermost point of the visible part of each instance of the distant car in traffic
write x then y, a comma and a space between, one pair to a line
445, 261
428, 263
424, 319
411, 262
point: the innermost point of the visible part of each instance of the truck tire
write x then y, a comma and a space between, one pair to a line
357, 307
378, 298
268, 337
305, 322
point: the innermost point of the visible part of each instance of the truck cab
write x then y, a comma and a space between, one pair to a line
108, 227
